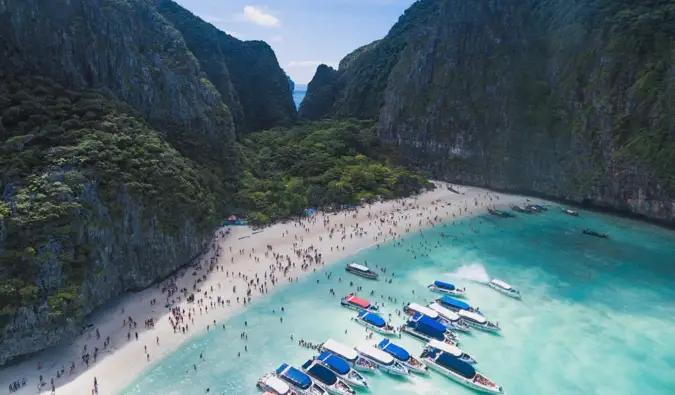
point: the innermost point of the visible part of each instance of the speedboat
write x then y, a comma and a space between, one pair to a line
504, 288
355, 303
375, 323
274, 385
449, 318
412, 308
402, 355
591, 232
456, 305
478, 321
384, 361
298, 380
569, 212
539, 207
499, 213
362, 271
424, 328
340, 367
326, 378
349, 355
459, 371
452, 350
446, 288
521, 209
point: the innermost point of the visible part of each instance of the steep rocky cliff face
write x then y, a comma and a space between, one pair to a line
246, 73
567, 99
324, 87
117, 153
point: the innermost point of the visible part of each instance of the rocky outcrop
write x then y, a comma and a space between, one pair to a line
246, 73
324, 87
554, 98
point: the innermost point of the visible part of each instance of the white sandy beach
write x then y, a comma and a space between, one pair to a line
123, 360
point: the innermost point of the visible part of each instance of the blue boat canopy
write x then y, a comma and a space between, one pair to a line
320, 372
432, 331
444, 285
454, 303
456, 365
373, 318
294, 376
428, 321
338, 364
396, 351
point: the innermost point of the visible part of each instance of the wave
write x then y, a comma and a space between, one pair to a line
473, 272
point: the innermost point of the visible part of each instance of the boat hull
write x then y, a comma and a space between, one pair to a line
357, 308
484, 328
368, 275
419, 367
456, 326
444, 291
363, 365
396, 369
335, 388
313, 389
423, 337
383, 331
460, 379
504, 292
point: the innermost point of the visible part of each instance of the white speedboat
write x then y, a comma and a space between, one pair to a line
504, 288
375, 323
424, 328
362, 271
384, 361
299, 380
349, 355
274, 385
478, 321
340, 367
459, 371
412, 308
354, 303
326, 378
452, 350
402, 355
449, 318
447, 289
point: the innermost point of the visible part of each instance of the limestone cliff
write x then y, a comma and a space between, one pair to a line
566, 99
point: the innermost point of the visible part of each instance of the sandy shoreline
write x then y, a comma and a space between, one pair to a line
123, 360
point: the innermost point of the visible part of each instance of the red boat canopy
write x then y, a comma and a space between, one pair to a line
359, 302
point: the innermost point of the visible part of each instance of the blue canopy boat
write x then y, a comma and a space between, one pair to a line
446, 288
426, 329
374, 322
456, 305
340, 367
402, 355
459, 371
298, 380
326, 378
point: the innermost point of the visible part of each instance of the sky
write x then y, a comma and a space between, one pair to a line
303, 33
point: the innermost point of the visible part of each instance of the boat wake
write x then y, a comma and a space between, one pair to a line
473, 272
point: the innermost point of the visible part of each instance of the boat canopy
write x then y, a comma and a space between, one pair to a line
338, 364
359, 267
432, 332
373, 353
423, 310
446, 348
456, 365
340, 349
454, 303
444, 285
398, 352
422, 319
357, 301
320, 372
471, 316
293, 375
277, 385
445, 313
373, 319
501, 284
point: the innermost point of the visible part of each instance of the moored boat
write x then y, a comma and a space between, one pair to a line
521, 209
349, 355
412, 308
424, 328
456, 305
449, 318
504, 288
299, 380
569, 212
384, 361
591, 232
459, 371
355, 303
326, 378
341, 367
362, 271
452, 350
274, 385
499, 213
446, 288
478, 321
375, 323
402, 355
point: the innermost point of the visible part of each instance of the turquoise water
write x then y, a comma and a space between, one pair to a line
596, 317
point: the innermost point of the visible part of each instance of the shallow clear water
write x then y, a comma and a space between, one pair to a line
596, 317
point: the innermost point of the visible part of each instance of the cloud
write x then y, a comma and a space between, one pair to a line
276, 39
260, 17
306, 63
